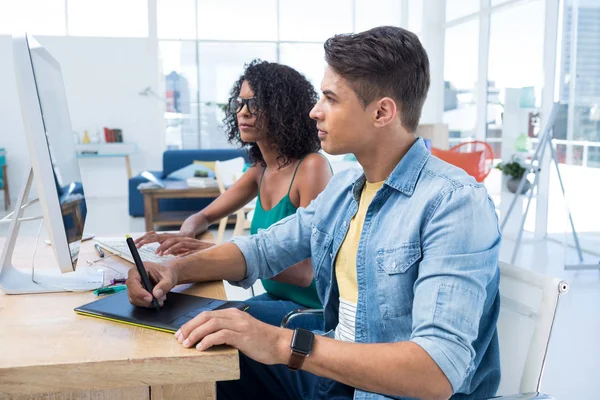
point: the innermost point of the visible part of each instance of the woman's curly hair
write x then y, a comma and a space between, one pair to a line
284, 98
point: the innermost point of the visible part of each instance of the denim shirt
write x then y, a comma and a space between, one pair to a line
427, 264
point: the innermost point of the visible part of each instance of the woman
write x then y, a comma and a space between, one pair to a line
269, 111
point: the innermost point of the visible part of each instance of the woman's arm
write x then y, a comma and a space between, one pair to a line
234, 198
237, 196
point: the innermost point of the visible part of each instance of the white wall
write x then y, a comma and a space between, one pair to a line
11, 127
102, 79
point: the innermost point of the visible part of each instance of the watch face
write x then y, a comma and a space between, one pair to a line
302, 341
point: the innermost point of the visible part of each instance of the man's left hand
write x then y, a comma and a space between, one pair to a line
264, 343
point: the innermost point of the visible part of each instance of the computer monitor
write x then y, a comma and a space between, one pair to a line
54, 168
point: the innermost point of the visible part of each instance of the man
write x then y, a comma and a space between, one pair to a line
405, 256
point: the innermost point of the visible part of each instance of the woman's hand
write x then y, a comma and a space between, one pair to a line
182, 246
176, 244
152, 237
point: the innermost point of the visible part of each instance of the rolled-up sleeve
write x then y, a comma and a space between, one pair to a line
460, 243
282, 245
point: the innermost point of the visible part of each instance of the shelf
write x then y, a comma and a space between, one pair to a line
105, 149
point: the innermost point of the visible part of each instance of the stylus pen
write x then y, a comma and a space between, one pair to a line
142, 271
99, 250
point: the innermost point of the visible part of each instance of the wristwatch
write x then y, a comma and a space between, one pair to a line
302, 344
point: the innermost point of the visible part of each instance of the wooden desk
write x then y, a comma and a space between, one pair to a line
49, 352
173, 190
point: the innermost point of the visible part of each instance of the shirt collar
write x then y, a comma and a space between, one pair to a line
405, 175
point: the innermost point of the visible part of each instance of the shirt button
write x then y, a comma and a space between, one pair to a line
330, 255
314, 230
345, 224
394, 265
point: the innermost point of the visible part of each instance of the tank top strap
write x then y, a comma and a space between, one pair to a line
262, 175
294, 176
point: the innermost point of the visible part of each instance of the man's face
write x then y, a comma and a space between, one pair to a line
344, 127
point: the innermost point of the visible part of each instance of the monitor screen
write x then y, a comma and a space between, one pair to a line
61, 144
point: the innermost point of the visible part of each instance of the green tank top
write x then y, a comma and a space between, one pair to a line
263, 219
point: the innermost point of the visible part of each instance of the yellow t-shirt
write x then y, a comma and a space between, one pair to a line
345, 266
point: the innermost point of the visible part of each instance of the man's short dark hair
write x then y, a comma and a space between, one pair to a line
383, 61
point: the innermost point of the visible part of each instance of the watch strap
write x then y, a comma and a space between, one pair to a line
296, 360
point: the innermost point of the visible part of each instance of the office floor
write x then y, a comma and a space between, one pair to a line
571, 368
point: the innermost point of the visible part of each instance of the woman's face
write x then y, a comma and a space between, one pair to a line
250, 131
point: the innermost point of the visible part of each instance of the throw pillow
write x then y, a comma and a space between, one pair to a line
208, 164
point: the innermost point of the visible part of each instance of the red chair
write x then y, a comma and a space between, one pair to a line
476, 158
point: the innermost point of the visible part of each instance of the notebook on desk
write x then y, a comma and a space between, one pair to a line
178, 309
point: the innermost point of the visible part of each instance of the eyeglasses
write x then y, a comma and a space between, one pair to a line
236, 105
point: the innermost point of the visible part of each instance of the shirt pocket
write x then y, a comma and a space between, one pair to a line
320, 243
396, 275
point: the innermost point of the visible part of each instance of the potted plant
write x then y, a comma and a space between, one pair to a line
515, 171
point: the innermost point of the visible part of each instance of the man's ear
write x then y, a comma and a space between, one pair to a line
385, 112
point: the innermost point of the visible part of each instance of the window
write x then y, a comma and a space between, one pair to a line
515, 59
308, 59
108, 18
221, 65
371, 13
585, 87
314, 20
41, 17
176, 19
237, 20
180, 74
217, 38
577, 132
460, 8
460, 76
498, 2
415, 16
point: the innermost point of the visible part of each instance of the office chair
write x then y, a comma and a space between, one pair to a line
528, 304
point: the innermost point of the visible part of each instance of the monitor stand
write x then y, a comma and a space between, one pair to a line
49, 280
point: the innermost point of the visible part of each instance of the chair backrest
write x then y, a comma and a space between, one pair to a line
227, 172
486, 162
528, 303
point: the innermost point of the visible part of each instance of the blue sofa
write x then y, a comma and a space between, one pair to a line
172, 161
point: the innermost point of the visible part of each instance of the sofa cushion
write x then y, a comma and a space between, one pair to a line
176, 159
188, 171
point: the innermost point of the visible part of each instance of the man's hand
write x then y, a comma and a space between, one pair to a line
164, 278
264, 343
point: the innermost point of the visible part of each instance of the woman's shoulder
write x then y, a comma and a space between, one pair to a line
314, 163
313, 172
254, 171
